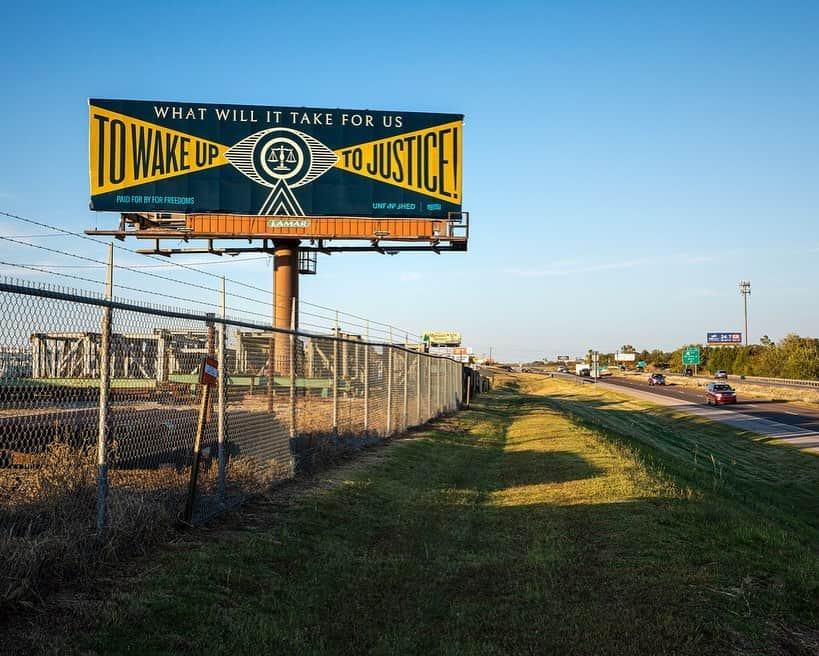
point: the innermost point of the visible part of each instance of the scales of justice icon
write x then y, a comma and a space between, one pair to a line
281, 154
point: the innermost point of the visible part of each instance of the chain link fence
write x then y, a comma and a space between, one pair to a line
104, 395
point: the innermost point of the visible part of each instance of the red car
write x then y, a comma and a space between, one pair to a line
719, 393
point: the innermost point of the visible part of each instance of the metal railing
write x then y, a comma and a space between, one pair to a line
115, 385
758, 380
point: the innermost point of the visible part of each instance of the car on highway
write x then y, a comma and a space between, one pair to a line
656, 379
721, 374
688, 372
562, 370
719, 393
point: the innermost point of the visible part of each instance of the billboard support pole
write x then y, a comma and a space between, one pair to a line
285, 290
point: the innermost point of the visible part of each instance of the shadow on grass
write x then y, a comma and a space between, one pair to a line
414, 557
706, 455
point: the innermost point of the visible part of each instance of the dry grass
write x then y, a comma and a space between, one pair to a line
48, 521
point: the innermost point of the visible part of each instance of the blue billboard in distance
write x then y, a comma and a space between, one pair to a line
724, 338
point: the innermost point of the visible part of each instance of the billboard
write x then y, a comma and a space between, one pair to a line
625, 357
720, 339
187, 158
442, 338
563, 358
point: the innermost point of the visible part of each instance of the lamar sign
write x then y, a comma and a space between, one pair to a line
274, 161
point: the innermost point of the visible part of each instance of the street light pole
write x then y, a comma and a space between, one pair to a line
745, 290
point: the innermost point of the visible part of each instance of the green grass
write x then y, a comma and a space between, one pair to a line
548, 519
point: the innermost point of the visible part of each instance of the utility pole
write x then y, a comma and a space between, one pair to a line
745, 290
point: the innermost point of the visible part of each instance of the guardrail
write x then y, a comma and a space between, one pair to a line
791, 382
759, 380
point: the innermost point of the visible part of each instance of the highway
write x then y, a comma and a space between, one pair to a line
784, 412
796, 423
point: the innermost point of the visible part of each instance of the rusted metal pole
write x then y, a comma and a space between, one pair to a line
286, 288
197, 453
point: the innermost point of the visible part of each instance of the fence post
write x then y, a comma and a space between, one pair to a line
389, 389
438, 386
105, 388
446, 386
450, 386
220, 404
293, 368
418, 389
366, 379
406, 383
335, 380
430, 415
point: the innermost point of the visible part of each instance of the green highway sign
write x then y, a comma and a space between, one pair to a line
691, 355
642, 363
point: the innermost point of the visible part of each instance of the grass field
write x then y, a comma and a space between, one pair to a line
550, 518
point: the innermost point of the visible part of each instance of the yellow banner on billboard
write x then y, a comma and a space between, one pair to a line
125, 151
443, 337
426, 161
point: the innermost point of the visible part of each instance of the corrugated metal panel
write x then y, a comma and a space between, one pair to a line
226, 225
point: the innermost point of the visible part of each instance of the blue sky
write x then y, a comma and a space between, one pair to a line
625, 164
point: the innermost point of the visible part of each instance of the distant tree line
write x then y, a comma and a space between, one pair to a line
792, 356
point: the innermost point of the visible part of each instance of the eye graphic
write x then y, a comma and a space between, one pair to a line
278, 155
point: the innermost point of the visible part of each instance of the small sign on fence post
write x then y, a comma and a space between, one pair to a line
208, 378
209, 372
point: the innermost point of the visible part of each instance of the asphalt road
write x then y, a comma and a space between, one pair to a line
788, 421
784, 412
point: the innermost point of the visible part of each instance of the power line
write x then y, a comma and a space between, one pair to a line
128, 250
189, 267
132, 289
128, 268
51, 273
